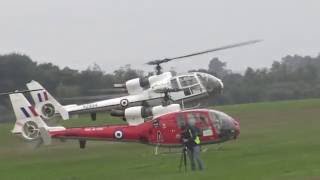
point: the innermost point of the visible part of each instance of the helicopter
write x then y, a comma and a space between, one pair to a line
161, 89
160, 130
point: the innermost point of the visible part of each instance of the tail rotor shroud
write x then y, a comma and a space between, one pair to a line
30, 131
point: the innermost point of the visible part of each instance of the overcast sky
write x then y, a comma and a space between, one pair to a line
113, 33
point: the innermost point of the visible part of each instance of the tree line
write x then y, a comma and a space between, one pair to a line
17, 69
293, 77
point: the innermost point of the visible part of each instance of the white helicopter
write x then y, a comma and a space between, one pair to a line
146, 96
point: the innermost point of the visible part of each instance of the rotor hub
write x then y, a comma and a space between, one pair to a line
48, 110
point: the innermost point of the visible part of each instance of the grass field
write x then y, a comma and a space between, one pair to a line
279, 140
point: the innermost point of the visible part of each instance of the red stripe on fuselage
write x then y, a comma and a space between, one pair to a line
129, 133
34, 112
45, 95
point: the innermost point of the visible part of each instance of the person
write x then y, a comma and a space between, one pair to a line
191, 140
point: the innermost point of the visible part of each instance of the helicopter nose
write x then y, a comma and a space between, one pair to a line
212, 84
230, 128
217, 87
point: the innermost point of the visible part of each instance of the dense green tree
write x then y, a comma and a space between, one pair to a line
217, 67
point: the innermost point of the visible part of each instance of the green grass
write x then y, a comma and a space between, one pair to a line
279, 140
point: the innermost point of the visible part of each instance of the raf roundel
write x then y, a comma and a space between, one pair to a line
124, 102
118, 134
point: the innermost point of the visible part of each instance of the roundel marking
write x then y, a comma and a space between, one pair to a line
118, 134
124, 102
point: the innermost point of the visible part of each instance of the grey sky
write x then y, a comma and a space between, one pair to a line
113, 33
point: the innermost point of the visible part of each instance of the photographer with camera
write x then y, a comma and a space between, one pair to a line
191, 141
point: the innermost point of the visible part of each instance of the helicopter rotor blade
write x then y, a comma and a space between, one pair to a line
157, 62
20, 91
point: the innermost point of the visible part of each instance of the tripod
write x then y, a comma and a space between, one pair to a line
183, 158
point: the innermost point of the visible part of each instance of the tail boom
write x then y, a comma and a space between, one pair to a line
29, 122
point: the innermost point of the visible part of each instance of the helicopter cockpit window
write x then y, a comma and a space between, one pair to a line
187, 92
207, 81
196, 89
221, 121
174, 84
187, 81
203, 77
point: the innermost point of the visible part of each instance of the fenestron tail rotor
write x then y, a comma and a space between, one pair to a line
158, 62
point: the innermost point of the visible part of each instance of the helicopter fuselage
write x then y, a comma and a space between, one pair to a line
193, 87
164, 130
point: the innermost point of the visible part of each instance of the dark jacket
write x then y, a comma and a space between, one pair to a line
189, 136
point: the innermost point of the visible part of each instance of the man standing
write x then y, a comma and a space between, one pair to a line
192, 142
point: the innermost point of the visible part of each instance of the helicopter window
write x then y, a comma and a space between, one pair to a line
191, 119
181, 121
207, 81
187, 92
199, 120
187, 81
174, 84
201, 77
216, 121
196, 89
220, 120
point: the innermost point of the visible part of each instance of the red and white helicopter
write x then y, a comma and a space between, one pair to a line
159, 89
162, 130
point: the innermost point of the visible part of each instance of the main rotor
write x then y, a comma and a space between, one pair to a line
158, 62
